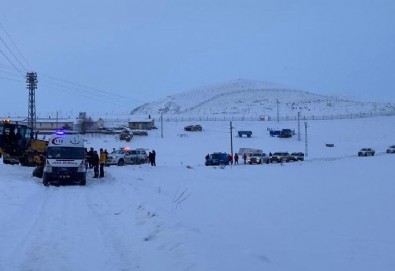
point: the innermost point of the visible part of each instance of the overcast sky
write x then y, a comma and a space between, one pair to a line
145, 50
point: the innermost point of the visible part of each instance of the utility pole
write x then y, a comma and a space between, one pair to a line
231, 139
31, 81
278, 113
298, 126
161, 124
306, 146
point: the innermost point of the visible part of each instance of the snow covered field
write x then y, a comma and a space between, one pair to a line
333, 211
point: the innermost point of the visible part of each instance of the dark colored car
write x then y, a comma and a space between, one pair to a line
285, 133
391, 149
296, 156
217, 158
126, 136
193, 128
247, 133
366, 152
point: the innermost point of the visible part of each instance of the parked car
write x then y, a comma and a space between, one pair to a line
366, 152
126, 135
193, 128
391, 149
217, 158
286, 133
279, 157
258, 158
247, 133
125, 156
296, 156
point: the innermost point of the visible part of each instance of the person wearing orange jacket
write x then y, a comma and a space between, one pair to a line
102, 162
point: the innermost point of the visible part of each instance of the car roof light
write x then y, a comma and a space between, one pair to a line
60, 132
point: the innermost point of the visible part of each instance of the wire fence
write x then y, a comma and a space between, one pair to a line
183, 118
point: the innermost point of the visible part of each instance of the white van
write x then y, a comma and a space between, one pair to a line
65, 161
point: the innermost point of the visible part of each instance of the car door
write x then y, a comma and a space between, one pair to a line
128, 157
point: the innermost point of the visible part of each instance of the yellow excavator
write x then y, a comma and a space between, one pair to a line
18, 145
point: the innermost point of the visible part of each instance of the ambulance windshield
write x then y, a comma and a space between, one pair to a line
66, 153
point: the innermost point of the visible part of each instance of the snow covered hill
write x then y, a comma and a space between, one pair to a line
254, 98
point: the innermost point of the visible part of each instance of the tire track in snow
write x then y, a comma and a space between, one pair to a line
118, 234
62, 236
12, 260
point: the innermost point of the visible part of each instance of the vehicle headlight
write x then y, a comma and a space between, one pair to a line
48, 167
82, 167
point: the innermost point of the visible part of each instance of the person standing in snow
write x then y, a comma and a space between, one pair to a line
230, 159
95, 163
89, 157
154, 157
151, 158
245, 158
102, 162
236, 158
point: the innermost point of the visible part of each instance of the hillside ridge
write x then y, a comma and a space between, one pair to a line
248, 97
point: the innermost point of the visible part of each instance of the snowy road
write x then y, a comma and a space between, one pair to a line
331, 212
61, 227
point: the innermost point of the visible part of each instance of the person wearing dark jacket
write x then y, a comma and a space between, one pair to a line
236, 158
154, 157
95, 164
151, 158
89, 157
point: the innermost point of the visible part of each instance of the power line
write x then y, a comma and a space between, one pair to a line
9, 60
80, 86
76, 91
73, 88
16, 47
9, 50
9, 73
11, 79
86, 94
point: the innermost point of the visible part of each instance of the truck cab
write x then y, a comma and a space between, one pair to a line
65, 161
15, 138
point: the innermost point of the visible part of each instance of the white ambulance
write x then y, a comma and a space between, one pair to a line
65, 161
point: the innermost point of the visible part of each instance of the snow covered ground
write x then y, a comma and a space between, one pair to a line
333, 211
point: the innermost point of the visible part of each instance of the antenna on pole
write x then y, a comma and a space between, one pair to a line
31, 81
231, 139
278, 112
298, 126
306, 146
161, 124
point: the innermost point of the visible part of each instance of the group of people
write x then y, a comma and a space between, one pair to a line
96, 161
235, 158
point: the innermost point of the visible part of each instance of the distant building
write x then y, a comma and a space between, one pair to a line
52, 124
141, 123
86, 124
